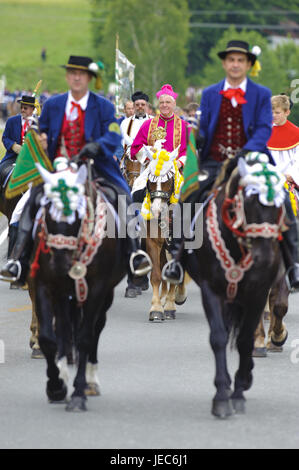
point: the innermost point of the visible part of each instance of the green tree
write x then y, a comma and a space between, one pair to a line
152, 34
272, 74
280, 66
202, 39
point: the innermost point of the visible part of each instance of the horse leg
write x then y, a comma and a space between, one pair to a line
169, 307
84, 342
56, 388
278, 333
221, 406
34, 328
93, 386
245, 343
156, 311
259, 349
181, 291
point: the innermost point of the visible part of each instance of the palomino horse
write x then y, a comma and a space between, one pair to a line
131, 170
7, 206
237, 265
163, 187
79, 264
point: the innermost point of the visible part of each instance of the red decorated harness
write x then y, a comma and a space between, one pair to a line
233, 216
85, 245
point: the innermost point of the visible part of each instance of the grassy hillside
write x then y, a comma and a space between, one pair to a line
61, 26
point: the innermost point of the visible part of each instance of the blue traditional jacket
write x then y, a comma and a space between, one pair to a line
99, 115
257, 117
12, 134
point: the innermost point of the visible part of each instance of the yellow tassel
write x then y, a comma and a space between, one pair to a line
256, 69
292, 199
37, 107
99, 83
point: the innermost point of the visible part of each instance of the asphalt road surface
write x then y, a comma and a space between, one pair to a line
156, 384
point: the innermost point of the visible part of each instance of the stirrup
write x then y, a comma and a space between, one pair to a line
140, 271
291, 289
12, 278
168, 266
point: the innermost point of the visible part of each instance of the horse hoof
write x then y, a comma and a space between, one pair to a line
156, 317
92, 390
259, 352
76, 404
279, 343
238, 405
131, 292
58, 395
37, 354
169, 314
180, 302
222, 409
274, 349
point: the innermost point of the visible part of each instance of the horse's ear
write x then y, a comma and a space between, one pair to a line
82, 174
45, 174
173, 155
243, 167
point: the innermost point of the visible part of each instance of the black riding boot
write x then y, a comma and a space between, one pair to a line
139, 262
17, 266
173, 271
289, 248
12, 236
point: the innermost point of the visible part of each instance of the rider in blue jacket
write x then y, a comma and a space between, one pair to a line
78, 121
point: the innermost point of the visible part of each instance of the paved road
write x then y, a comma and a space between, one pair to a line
156, 383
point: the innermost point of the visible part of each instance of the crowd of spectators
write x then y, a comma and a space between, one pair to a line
9, 106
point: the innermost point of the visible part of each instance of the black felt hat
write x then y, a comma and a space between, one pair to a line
139, 95
28, 100
82, 63
238, 46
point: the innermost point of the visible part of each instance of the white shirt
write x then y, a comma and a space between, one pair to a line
124, 126
72, 116
243, 86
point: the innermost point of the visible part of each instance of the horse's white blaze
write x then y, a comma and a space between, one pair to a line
91, 374
63, 370
157, 203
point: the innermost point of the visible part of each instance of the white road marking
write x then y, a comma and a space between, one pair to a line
3, 236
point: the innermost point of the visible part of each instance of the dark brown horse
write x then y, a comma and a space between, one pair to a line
78, 269
236, 267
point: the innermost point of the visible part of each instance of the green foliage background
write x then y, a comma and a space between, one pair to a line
154, 34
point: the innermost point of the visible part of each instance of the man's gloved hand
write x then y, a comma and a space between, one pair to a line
16, 148
91, 150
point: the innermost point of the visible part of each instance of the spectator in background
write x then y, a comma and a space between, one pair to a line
191, 109
43, 54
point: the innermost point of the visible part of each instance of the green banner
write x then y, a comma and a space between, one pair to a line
191, 170
25, 171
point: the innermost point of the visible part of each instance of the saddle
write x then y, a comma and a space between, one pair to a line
6, 169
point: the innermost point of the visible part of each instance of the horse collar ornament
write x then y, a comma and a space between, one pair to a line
267, 182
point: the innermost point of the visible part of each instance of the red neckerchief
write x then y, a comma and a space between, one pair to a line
236, 93
76, 105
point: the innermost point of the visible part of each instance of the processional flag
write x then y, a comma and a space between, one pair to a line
124, 78
25, 171
191, 169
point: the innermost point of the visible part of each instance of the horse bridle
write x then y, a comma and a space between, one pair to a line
165, 195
